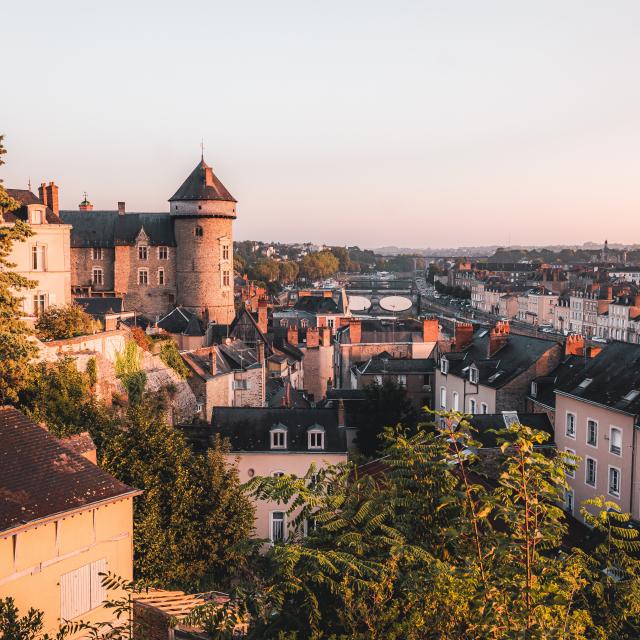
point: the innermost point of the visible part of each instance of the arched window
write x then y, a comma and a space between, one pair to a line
199, 232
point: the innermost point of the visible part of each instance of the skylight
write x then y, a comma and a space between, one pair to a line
632, 395
482, 334
495, 376
585, 383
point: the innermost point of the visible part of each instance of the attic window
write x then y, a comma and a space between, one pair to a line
444, 366
474, 375
495, 376
316, 437
632, 395
534, 389
279, 438
585, 383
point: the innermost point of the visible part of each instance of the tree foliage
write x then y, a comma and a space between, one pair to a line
170, 355
320, 264
65, 321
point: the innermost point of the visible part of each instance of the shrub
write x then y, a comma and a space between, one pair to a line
170, 355
67, 321
92, 371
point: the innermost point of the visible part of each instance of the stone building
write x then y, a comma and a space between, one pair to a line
160, 260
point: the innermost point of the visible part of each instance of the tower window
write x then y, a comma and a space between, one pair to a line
199, 232
225, 278
225, 252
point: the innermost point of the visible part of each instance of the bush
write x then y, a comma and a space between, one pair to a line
170, 355
141, 338
92, 371
68, 321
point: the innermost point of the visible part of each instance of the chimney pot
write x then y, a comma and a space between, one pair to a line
121, 208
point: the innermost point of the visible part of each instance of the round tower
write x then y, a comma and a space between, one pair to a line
203, 212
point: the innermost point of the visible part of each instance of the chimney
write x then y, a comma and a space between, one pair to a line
121, 208
325, 336
260, 352
462, 335
430, 330
574, 346
327, 294
262, 315
498, 337
44, 195
52, 197
292, 335
355, 330
341, 416
313, 338
212, 361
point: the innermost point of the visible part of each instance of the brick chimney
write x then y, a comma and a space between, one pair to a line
574, 346
430, 330
121, 208
462, 335
292, 335
325, 336
262, 315
212, 361
52, 197
498, 337
313, 338
42, 193
355, 330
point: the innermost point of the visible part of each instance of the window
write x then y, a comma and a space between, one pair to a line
484, 407
378, 380
316, 439
571, 425
225, 251
36, 216
143, 252
443, 398
568, 500
474, 375
456, 404
39, 303
614, 482
97, 253
402, 381
615, 441
331, 323
278, 439
143, 277
81, 590
240, 385
225, 278
444, 366
277, 526
591, 471
534, 389
472, 405
199, 232
38, 257
592, 433
163, 253
97, 277
571, 469
161, 276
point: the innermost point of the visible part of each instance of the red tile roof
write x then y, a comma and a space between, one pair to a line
40, 478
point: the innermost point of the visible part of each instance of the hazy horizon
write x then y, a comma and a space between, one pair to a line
415, 124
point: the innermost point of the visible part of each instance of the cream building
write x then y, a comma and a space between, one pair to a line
63, 521
45, 257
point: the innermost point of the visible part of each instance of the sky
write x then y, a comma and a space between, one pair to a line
415, 124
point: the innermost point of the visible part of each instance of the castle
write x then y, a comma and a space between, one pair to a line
157, 261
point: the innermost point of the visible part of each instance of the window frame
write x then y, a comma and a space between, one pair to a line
161, 277
443, 398
455, 401
198, 231
37, 299
611, 430
143, 252
163, 249
444, 366
570, 474
594, 444
474, 375
272, 521
278, 431
316, 431
100, 280
588, 459
402, 380
566, 425
473, 405
485, 408
611, 468
97, 253
145, 271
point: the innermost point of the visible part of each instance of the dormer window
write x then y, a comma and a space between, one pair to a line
444, 366
143, 252
36, 216
474, 375
316, 438
534, 389
278, 438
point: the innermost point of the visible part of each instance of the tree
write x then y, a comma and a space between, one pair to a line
266, 270
170, 355
7, 203
192, 511
13, 626
288, 271
344, 262
65, 321
321, 264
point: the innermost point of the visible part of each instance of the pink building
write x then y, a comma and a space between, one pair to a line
597, 418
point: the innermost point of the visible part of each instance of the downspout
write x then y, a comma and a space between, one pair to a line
636, 423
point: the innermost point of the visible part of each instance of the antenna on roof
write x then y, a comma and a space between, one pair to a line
29, 183
202, 148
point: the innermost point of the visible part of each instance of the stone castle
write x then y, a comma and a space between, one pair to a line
157, 261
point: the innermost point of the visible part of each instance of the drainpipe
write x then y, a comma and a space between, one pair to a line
636, 425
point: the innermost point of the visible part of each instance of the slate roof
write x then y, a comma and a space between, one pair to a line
202, 184
78, 443
181, 321
199, 361
108, 229
40, 478
248, 428
100, 306
485, 422
280, 393
26, 197
515, 357
316, 304
614, 375
545, 391
378, 365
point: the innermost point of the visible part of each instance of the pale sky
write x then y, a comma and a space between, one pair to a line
374, 123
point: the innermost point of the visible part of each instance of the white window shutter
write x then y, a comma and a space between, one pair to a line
52, 298
75, 593
98, 592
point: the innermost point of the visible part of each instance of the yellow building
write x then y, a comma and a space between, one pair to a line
45, 257
63, 520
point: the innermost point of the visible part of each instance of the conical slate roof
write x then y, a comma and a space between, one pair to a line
202, 184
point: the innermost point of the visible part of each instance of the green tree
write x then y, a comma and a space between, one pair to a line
344, 261
65, 321
320, 264
265, 270
7, 203
13, 626
288, 271
192, 511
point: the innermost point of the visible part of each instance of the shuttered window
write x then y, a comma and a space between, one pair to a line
81, 590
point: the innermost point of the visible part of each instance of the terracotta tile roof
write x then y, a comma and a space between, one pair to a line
40, 478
